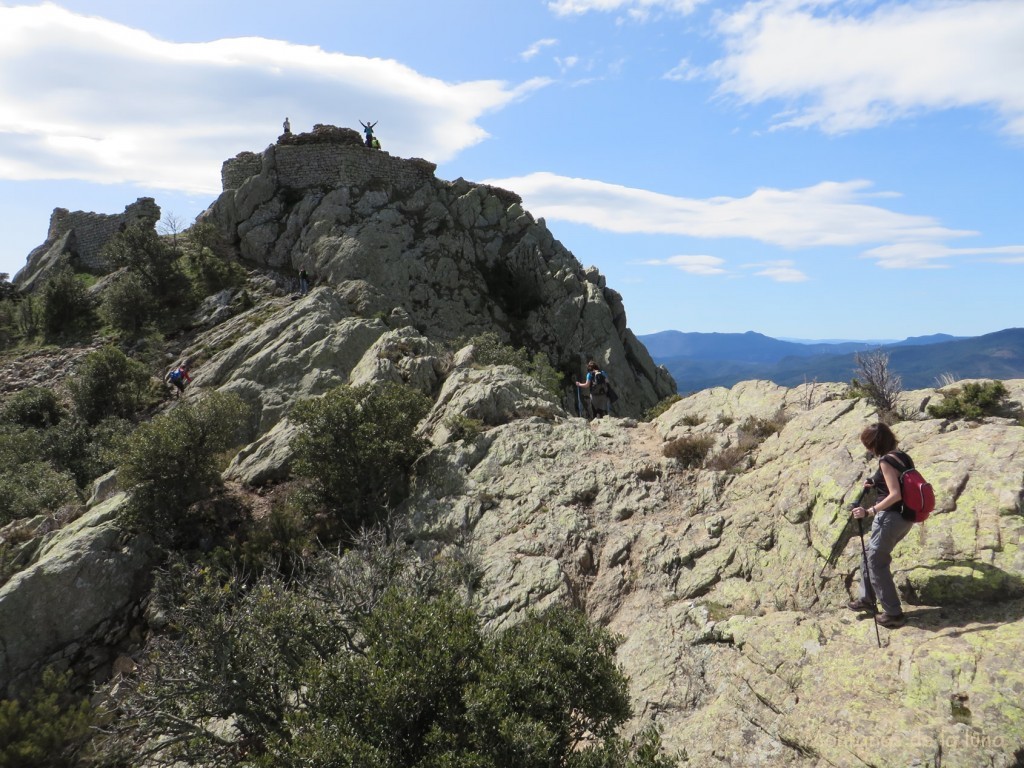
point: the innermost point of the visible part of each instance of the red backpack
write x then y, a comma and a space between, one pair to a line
918, 495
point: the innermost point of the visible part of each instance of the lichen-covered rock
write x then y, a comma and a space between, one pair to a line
83, 578
736, 635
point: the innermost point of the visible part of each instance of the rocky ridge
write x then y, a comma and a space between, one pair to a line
736, 637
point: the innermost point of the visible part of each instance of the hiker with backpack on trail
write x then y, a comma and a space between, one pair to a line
598, 391
179, 377
895, 511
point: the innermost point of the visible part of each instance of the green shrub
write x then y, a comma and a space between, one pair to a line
462, 427
141, 251
170, 463
663, 405
48, 728
689, 450
489, 350
357, 446
85, 451
971, 401
326, 673
760, 429
108, 383
66, 306
32, 407
128, 303
34, 488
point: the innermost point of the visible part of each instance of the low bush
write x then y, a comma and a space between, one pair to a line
489, 350
47, 728
171, 462
690, 450
463, 427
128, 303
357, 445
973, 400
32, 407
109, 383
34, 488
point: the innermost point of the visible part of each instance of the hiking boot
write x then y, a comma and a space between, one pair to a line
860, 604
891, 620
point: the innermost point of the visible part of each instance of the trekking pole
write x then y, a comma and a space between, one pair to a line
579, 401
864, 553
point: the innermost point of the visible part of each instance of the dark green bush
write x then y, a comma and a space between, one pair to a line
357, 446
34, 488
141, 251
46, 729
171, 462
689, 450
85, 451
108, 383
663, 405
32, 407
128, 303
971, 401
324, 673
66, 305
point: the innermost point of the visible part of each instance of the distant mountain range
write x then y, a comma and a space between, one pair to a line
703, 360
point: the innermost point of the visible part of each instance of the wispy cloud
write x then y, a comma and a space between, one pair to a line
639, 10
98, 101
915, 255
537, 47
682, 71
827, 214
839, 72
782, 271
694, 265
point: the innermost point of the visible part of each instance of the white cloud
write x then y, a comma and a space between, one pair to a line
782, 271
536, 48
637, 9
827, 214
98, 101
840, 72
682, 71
695, 265
916, 255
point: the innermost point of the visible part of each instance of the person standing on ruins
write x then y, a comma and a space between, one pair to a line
368, 132
287, 127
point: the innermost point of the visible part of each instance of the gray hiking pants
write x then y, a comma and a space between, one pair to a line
876, 582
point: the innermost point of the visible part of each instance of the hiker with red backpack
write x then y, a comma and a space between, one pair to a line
901, 499
179, 377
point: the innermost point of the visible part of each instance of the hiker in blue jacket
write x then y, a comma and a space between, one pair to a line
887, 530
179, 377
597, 391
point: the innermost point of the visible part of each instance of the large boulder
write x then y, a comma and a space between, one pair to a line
79, 589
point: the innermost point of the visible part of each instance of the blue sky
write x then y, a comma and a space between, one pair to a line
801, 168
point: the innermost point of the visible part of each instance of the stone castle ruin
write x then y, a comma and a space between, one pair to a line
327, 157
80, 236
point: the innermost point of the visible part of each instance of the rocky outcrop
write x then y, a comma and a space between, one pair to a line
452, 259
76, 597
736, 636
80, 237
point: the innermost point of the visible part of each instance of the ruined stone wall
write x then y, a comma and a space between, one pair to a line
333, 165
328, 157
239, 168
92, 231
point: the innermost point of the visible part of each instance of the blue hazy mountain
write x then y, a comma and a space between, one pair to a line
702, 360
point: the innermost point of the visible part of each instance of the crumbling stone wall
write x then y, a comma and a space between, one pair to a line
242, 166
82, 235
92, 231
327, 157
